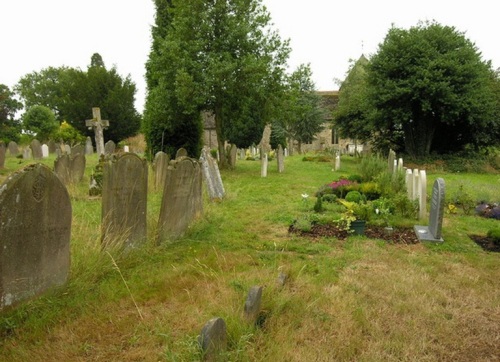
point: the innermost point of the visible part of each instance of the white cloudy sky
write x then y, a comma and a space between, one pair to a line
36, 34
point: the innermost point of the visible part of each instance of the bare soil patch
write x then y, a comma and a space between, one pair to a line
486, 243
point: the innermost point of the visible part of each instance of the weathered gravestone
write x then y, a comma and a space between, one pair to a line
160, 165
98, 125
45, 151
232, 152
13, 148
67, 149
213, 339
3, 151
52, 147
27, 154
263, 165
36, 149
390, 161
280, 158
124, 200
252, 304
35, 229
77, 150
211, 176
181, 152
77, 167
89, 149
62, 169
70, 169
109, 147
433, 231
182, 198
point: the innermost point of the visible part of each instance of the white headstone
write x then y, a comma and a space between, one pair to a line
400, 165
45, 151
409, 183
422, 187
263, 165
415, 184
337, 163
126, 149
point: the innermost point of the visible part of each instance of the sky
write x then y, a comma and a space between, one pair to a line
326, 34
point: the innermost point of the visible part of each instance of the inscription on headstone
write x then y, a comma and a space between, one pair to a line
35, 225
433, 231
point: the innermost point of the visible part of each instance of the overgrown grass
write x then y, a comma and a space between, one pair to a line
351, 300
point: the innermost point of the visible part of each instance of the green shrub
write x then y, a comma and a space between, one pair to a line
318, 206
331, 198
391, 183
355, 178
371, 166
404, 206
370, 190
463, 199
354, 196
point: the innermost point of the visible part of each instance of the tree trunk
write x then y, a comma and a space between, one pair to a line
419, 135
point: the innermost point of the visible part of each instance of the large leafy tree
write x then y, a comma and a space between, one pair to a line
40, 121
9, 126
302, 116
71, 93
219, 57
430, 82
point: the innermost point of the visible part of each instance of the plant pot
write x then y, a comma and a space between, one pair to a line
358, 226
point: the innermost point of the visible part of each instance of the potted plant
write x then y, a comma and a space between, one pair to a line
355, 216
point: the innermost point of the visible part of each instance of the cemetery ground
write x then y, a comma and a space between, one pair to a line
349, 299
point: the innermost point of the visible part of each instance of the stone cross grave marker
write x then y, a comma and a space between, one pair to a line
124, 201
182, 198
433, 231
98, 125
211, 175
213, 339
35, 229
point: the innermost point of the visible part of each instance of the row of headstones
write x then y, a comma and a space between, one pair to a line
416, 187
264, 161
213, 336
35, 218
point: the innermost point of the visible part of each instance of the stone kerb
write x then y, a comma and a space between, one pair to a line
433, 231
35, 224
160, 165
211, 176
182, 198
124, 201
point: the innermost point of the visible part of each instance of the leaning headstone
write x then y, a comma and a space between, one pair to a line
13, 148
35, 229
280, 158
109, 147
182, 198
252, 304
433, 231
89, 149
36, 149
213, 339
77, 150
181, 152
409, 183
263, 165
52, 147
160, 165
390, 161
77, 168
45, 151
3, 151
211, 176
422, 199
124, 201
27, 154
62, 168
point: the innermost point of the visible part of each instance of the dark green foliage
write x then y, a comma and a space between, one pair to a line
355, 178
40, 121
9, 127
495, 235
404, 206
372, 166
330, 198
354, 196
318, 205
463, 199
72, 93
370, 190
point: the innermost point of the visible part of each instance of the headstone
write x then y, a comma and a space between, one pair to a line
77, 168
181, 152
213, 339
211, 176
252, 304
36, 149
433, 231
242, 154
126, 149
409, 184
98, 125
109, 147
282, 279
232, 149
390, 161
89, 149
67, 149
35, 229
160, 165
263, 165
62, 168
45, 151
13, 148
52, 147
286, 152
337, 162
182, 198
124, 201
422, 187
77, 150
280, 158
415, 184
400, 165
3, 151
27, 154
